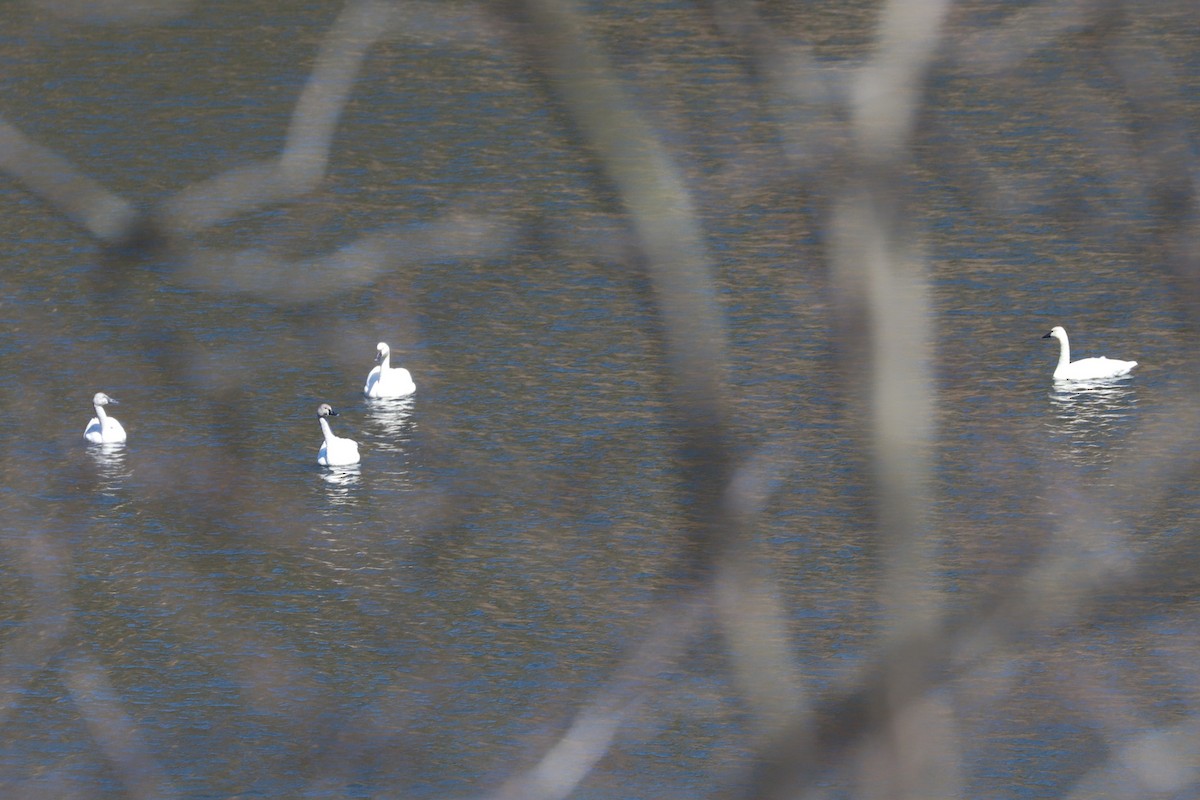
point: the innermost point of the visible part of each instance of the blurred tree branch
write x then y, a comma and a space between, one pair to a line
846, 138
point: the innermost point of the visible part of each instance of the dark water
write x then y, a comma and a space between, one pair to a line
424, 623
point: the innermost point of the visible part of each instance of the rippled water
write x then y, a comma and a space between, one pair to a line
1089, 423
511, 524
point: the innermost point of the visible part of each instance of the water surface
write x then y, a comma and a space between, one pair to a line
424, 623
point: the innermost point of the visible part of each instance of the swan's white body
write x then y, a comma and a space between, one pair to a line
335, 451
103, 429
385, 380
1085, 369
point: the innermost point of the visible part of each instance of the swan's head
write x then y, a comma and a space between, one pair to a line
101, 399
381, 351
326, 410
1056, 332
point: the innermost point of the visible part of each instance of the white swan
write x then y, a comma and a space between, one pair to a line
386, 381
103, 429
1085, 369
335, 451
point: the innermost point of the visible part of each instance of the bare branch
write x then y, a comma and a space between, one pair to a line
115, 730
55, 180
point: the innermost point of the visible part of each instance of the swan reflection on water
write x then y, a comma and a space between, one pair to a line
112, 470
393, 421
341, 483
1088, 417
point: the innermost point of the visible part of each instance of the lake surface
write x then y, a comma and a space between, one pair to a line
245, 623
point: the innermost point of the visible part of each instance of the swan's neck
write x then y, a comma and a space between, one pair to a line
100, 415
329, 437
1064, 352
385, 363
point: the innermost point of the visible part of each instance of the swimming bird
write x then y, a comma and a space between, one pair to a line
1085, 369
103, 429
335, 451
385, 380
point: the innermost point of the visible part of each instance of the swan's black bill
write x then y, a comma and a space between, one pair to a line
1049, 335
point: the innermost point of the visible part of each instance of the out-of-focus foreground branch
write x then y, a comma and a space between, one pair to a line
848, 139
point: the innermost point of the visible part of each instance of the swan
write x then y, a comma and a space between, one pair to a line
103, 429
335, 451
1085, 369
386, 381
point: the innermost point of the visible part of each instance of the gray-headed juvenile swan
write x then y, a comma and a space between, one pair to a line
103, 429
335, 451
